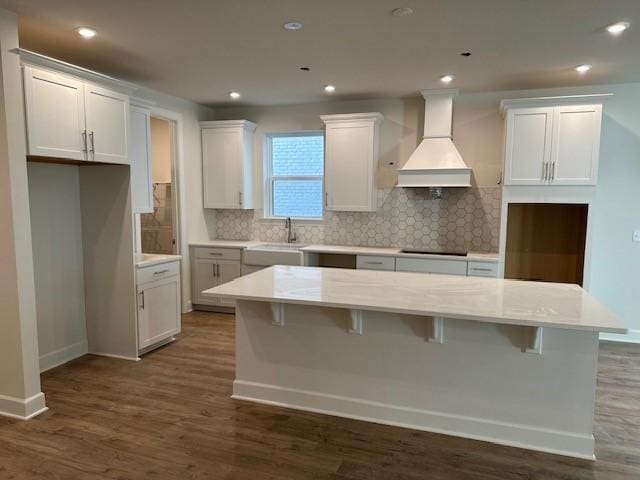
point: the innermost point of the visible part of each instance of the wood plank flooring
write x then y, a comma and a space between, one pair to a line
170, 417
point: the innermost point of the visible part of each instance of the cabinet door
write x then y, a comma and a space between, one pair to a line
140, 157
55, 114
528, 146
350, 166
107, 115
227, 271
204, 277
158, 311
222, 161
576, 145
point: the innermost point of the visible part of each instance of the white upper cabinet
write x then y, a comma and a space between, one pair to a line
140, 157
55, 114
107, 114
69, 118
351, 160
552, 144
575, 146
227, 164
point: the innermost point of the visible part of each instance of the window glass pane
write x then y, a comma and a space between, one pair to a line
297, 155
297, 198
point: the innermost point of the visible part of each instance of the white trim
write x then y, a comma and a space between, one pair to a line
632, 337
119, 357
503, 433
63, 355
506, 104
34, 58
22, 409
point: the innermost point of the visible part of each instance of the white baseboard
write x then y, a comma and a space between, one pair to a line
22, 409
504, 433
63, 355
120, 357
632, 337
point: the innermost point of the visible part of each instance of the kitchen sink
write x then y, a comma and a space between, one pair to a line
266, 254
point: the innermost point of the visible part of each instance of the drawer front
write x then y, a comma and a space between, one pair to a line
483, 269
217, 253
372, 262
157, 272
428, 265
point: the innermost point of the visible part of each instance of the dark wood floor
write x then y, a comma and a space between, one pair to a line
170, 417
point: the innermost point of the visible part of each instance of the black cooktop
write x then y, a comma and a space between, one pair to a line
422, 251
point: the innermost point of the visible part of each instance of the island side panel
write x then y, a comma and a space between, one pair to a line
477, 384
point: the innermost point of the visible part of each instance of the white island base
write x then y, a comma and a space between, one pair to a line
477, 384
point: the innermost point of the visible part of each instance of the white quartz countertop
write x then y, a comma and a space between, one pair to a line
512, 302
149, 259
394, 252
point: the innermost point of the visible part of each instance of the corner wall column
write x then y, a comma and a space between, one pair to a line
20, 395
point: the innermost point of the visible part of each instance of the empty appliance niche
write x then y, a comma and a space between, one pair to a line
546, 242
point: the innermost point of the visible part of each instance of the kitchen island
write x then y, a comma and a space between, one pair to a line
505, 361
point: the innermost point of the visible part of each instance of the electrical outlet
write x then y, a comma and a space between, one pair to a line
636, 235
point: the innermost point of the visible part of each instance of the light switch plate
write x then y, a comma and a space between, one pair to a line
636, 235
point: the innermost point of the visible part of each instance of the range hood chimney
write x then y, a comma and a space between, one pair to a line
436, 163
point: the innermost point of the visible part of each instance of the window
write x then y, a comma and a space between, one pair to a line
294, 175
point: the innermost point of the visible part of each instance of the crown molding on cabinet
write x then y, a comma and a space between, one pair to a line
38, 59
346, 117
553, 101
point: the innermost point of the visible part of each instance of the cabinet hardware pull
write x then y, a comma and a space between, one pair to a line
240, 198
142, 293
84, 141
546, 170
217, 270
160, 272
326, 199
374, 263
478, 269
215, 253
93, 144
213, 269
553, 170
544, 166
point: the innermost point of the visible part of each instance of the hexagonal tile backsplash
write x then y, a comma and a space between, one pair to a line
463, 219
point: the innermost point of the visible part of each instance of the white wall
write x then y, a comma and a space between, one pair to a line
161, 150
54, 198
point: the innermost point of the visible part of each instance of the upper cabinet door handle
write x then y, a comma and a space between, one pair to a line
93, 144
240, 198
84, 141
553, 170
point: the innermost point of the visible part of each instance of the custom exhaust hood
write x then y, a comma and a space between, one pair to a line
436, 163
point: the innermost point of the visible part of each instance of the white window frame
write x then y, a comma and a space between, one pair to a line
269, 178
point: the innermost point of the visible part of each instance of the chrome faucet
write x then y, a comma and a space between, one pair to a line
291, 235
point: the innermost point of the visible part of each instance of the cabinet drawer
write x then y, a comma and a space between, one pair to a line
430, 265
157, 272
482, 269
371, 262
217, 253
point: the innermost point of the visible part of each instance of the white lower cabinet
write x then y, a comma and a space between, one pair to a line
212, 267
158, 288
372, 262
430, 265
482, 269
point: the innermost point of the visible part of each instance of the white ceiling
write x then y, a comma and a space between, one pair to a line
202, 49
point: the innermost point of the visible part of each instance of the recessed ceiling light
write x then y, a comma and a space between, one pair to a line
234, 95
292, 26
329, 88
583, 68
86, 32
448, 78
617, 28
402, 12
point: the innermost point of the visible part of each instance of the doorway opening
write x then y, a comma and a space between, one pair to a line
159, 230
